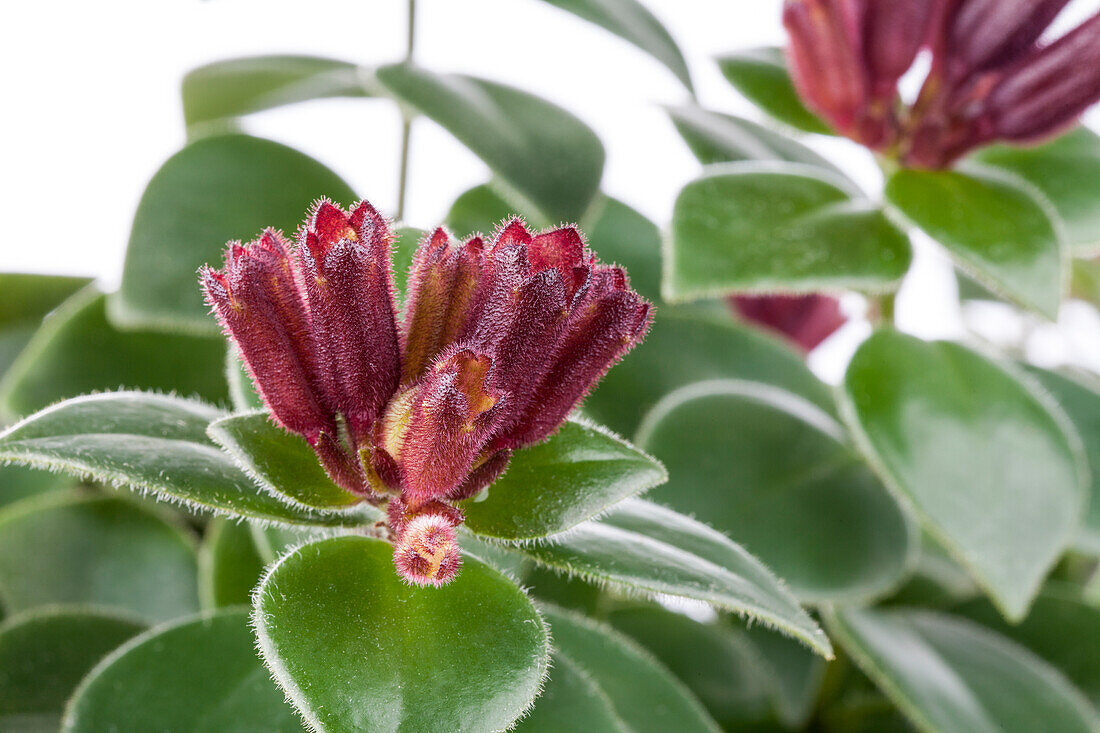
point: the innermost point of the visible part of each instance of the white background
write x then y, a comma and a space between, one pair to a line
91, 109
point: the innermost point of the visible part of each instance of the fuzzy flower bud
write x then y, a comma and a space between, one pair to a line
427, 551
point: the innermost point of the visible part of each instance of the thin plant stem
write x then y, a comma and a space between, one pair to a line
406, 119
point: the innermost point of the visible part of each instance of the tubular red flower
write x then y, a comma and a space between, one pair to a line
806, 320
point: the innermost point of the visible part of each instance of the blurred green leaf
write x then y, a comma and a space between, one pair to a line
77, 351
229, 564
761, 75
408, 239
43, 655
27, 299
996, 231
646, 697
540, 151
1067, 172
630, 20
643, 548
242, 391
984, 458
777, 226
949, 675
571, 700
197, 674
19, 482
236, 87
217, 189
794, 674
150, 443
790, 488
98, 550
356, 648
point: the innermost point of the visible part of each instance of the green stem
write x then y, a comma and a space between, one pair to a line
406, 119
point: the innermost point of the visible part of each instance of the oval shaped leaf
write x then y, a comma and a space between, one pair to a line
571, 700
216, 189
580, 472
996, 231
1067, 172
950, 675
198, 674
776, 226
43, 656
644, 548
236, 87
985, 460
355, 648
153, 443
27, 300
543, 153
230, 566
645, 695
761, 75
790, 488
97, 550
77, 351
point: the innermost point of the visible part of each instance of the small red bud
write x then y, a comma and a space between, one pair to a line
427, 551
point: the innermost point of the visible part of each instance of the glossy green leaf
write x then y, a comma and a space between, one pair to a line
950, 675
689, 345
715, 137
630, 20
1067, 172
236, 87
645, 695
1079, 396
1062, 628
283, 463
644, 548
19, 482
99, 550
27, 299
44, 654
571, 700
984, 457
217, 189
356, 648
149, 443
998, 232
790, 488
229, 564
777, 226
716, 662
761, 75
580, 472
197, 674
77, 350
542, 152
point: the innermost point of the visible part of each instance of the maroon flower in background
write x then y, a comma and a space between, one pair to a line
990, 78
499, 341
806, 320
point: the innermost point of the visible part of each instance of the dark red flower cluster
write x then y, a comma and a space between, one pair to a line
991, 78
499, 341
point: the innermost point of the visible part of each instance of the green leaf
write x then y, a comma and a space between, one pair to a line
229, 564
720, 138
761, 75
281, 462
77, 350
356, 648
197, 674
995, 230
27, 300
236, 87
790, 489
1079, 396
645, 695
795, 675
542, 152
93, 549
408, 239
950, 675
689, 345
150, 443
571, 700
1067, 172
630, 20
44, 654
19, 482
242, 391
985, 459
581, 471
644, 548
219, 188
777, 226
1062, 628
